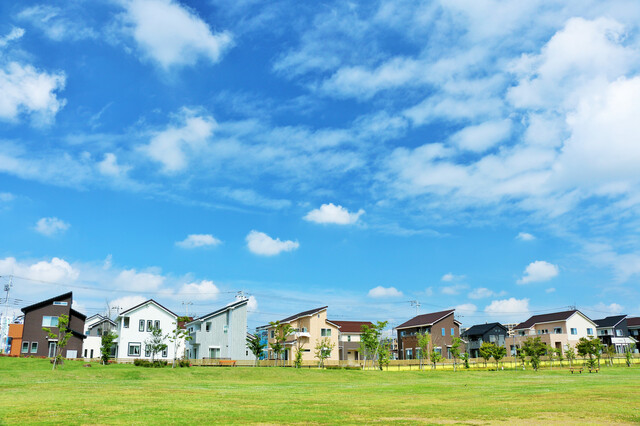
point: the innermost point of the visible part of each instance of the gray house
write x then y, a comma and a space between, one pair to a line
492, 332
222, 334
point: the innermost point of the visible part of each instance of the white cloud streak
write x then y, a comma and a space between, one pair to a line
263, 245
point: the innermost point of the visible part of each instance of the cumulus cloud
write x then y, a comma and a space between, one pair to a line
479, 138
172, 35
126, 302
203, 290
538, 271
511, 306
133, 280
481, 293
252, 304
335, 214
466, 309
453, 290
198, 240
109, 166
50, 226
261, 244
525, 236
449, 277
56, 270
380, 292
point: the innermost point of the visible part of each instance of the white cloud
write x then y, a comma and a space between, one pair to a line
14, 34
133, 280
330, 213
172, 146
126, 302
25, 90
261, 244
481, 293
449, 277
525, 236
172, 35
466, 309
512, 306
603, 309
5, 197
109, 166
380, 292
538, 271
252, 304
453, 290
203, 290
51, 226
550, 290
483, 136
56, 270
198, 240
54, 23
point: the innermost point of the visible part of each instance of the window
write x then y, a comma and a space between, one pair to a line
590, 331
574, 331
444, 331
99, 332
438, 350
409, 353
49, 321
85, 353
348, 338
147, 350
164, 353
225, 328
156, 324
207, 327
325, 332
149, 325
273, 334
60, 303
453, 331
141, 325
402, 333
619, 333
34, 347
134, 349
126, 322
557, 330
25, 347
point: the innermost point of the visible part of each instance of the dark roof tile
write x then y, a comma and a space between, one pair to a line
426, 319
351, 326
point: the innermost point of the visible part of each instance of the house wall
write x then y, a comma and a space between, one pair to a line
148, 311
437, 339
15, 334
232, 342
313, 324
93, 341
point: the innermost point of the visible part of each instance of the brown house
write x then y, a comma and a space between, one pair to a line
442, 326
35, 341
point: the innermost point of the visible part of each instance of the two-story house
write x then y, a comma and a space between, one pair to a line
35, 341
614, 331
309, 327
134, 327
349, 339
558, 329
633, 325
442, 326
221, 334
94, 328
476, 335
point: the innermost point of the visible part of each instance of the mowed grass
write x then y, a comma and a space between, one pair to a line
32, 393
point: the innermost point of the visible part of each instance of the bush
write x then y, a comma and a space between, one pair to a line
149, 364
184, 363
333, 367
351, 367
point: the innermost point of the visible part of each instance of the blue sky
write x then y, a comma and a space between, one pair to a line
482, 155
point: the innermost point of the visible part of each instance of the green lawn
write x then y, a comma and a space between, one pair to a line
32, 393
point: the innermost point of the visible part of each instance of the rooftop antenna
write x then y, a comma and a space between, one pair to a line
416, 304
186, 305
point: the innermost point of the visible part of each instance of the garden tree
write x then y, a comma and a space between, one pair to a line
465, 357
281, 332
423, 344
384, 354
178, 336
297, 362
255, 345
435, 357
558, 352
455, 350
522, 356
156, 342
628, 353
61, 339
591, 348
598, 347
499, 352
534, 349
371, 340
486, 351
571, 354
106, 345
611, 352
323, 350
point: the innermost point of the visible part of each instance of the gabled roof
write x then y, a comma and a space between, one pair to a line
351, 326
219, 311
426, 319
102, 319
304, 314
611, 321
555, 316
633, 322
68, 295
144, 303
480, 329
78, 314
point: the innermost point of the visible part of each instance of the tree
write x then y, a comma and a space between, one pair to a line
297, 362
178, 336
371, 340
591, 348
465, 357
423, 344
255, 345
628, 353
106, 345
281, 332
499, 352
455, 350
534, 349
522, 356
559, 355
384, 354
323, 350
61, 339
598, 347
611, 352
435, 357
156, 342
571, 354
486, 351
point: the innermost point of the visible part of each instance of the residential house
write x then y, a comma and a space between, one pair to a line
14, 338
221, 334
349, 339
558, 329
94, 328
442, 326
134, 327
476, 335
614, 331
35, 341
309, 327
633, 324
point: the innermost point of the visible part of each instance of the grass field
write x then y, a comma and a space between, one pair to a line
32, 393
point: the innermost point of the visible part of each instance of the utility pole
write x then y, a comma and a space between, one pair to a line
416, 304
4, 331
186, 305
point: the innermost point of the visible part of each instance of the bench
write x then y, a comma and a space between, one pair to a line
594, 370
576, 369
227, 363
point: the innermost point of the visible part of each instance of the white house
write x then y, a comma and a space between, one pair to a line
134, 331
94, 328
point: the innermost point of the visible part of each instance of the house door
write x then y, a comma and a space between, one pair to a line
52, 349
91, 354
214, 353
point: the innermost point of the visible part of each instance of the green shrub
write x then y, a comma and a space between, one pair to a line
149, 364
333, 367
184, 363
351, 367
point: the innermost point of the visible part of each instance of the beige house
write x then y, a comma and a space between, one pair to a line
559, 329
309, 327
350, 338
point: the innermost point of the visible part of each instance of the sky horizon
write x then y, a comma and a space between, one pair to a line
476, 155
